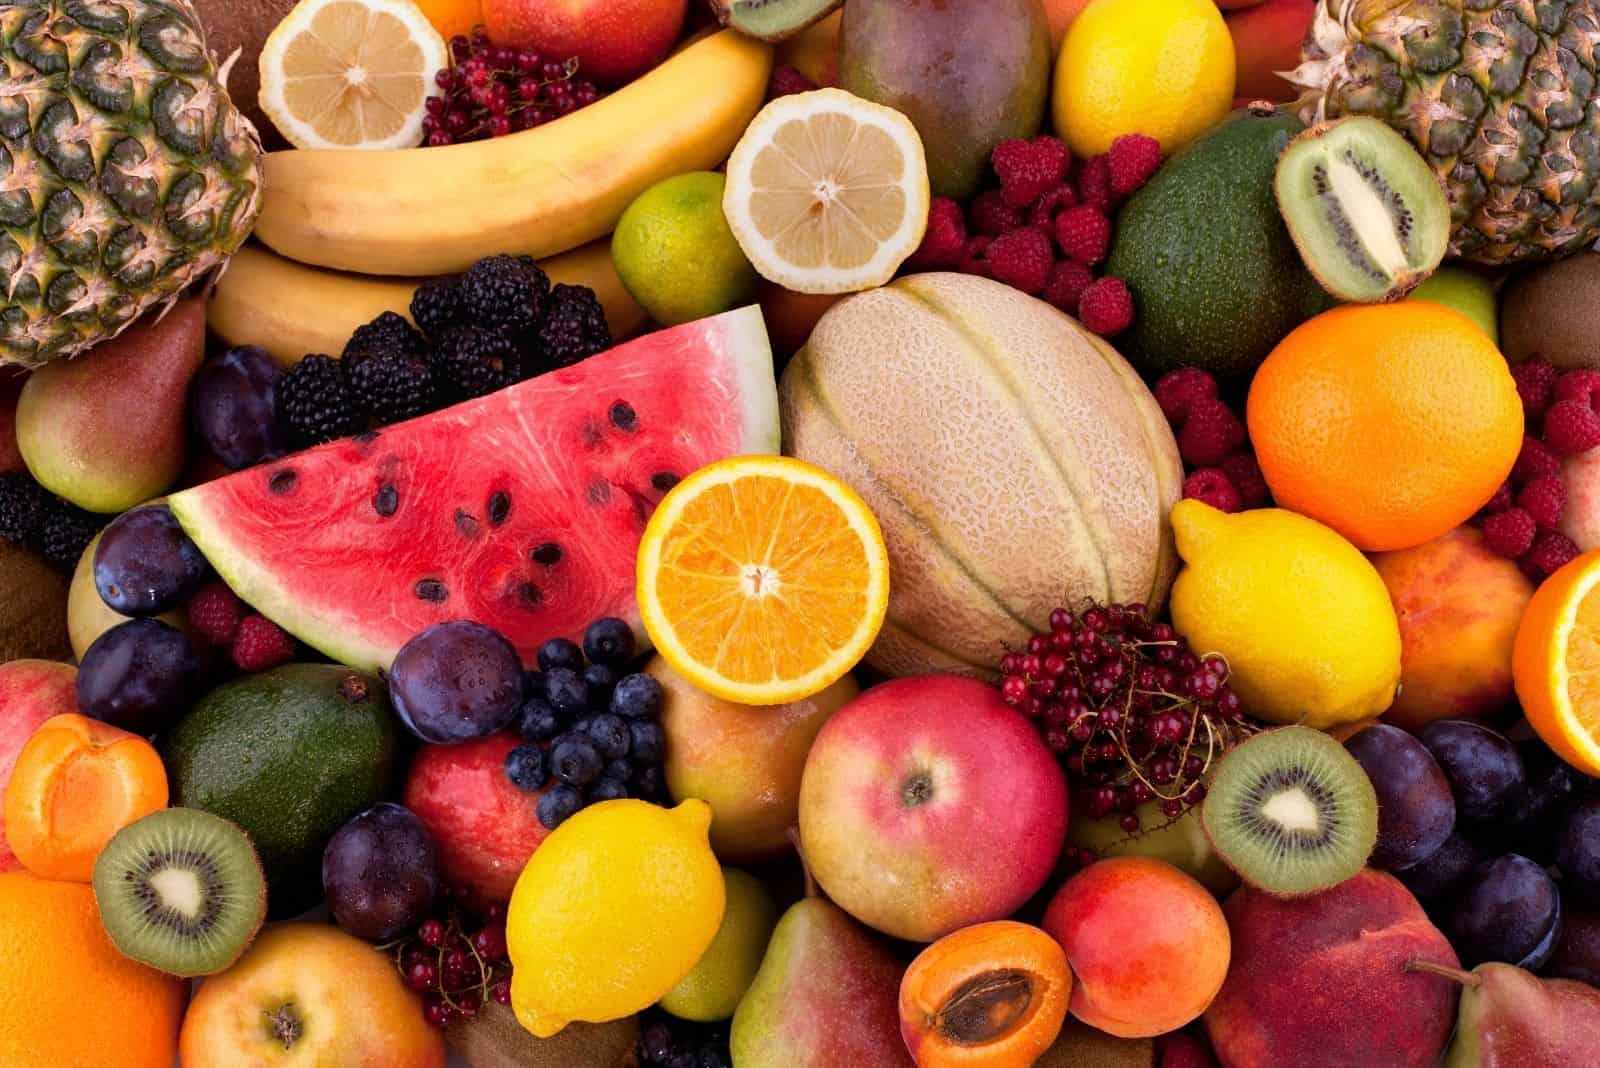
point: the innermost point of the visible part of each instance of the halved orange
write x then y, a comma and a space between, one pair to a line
1555, 662
763, 579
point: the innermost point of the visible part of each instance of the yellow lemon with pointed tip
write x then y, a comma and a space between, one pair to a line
612, 911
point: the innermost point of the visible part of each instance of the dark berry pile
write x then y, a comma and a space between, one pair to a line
456, 961
1219, 467
668, 1042
492, 91
1133, 714
590, 728
34, 518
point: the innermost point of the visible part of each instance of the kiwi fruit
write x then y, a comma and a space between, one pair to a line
494, 1039
772, 20
181, 890
1291, 811
1553, 312
33, 608
1364, 208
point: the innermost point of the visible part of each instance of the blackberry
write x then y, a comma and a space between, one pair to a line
66, 531
505, 293
668, 1042
22, 507
390, 385
472, 362
573, 328
315, 402
387, 333
436, 306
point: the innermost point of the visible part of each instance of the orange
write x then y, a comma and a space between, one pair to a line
762, 579
71, 1000
1390, 423
1555, 662
453, 17
77, 782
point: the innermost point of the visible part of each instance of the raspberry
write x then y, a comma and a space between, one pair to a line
1509, 533
1535, 381
1133, 159
1084, 235
1550, 553
1177, 390
1571, 427
1044, 210
786, 81
1067, 282
1022, 258
1578, 386
215, 612
1027, 169
1243, 471
1544, 499
972, 261
1212, 485
1094, 183
261, 644
945, 239
1106, 307
991, 216
1499, 502
1210, 433
1534, 461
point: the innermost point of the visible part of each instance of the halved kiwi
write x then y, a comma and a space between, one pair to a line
181, 890
1291, 811
1366, 211
771, 20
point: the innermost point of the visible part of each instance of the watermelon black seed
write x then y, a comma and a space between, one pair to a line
593, 435
623, 417
664, 480
548, 554
431, 590
282, 480
530, 594
599, 492
499, 508
467, 524
386, 501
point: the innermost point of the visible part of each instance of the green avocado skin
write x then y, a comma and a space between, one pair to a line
1216, 279
289, 755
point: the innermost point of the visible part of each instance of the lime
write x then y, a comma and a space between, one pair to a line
674, 252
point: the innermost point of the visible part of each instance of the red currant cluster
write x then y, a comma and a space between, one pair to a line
492, 91
1133, 714
454, 966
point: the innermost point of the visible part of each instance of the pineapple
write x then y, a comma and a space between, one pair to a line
125, 171
1500, 96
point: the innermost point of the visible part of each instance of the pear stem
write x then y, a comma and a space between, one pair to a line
793, 834
1463, 977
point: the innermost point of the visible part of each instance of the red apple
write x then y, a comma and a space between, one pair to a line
31, 691
484, 828
614, 41
927, 805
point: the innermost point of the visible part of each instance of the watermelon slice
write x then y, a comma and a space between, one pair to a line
521, 510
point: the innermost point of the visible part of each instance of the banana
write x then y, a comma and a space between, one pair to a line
426, 211
290, 309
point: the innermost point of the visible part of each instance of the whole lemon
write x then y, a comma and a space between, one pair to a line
712, 989
1302, 618
675, 253
611, 912
1164, 68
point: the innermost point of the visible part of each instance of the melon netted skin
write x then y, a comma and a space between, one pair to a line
1015, 462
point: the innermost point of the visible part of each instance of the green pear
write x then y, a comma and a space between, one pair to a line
1510, 1018
106, 430
712, 989
1461, 290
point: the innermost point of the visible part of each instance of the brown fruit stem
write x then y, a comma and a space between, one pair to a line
1465, 978
793, 834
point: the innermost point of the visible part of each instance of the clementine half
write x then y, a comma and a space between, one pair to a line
1555, 662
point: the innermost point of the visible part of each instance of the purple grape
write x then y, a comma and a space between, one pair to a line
233, 409
456, 681
381, 873
1484, 768
145, 564
139, 675
1578, 853
1416, 811
1508, 911
1435, 876
1577, 953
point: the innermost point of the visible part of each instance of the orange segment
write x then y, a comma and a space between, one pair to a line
1556, 662
763, 579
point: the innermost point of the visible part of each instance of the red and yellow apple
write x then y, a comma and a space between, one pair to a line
31, 691
614, 41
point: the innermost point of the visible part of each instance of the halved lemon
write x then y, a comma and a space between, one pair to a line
827, 193
763, 579
1555, 662
351, 73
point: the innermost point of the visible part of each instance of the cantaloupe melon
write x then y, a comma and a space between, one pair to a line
1015, 461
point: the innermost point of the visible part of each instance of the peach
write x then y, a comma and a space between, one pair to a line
927, 805
31, 691
614, 41
1148, 945
1266, 40
1323, 979
1580, 521
1458, 605
814, 51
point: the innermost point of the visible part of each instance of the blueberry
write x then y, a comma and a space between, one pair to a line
648, 742
566, 691
537, 721
576, 761
559, 803
618, 769
560, 653
533, 682
611, 736
607, 790
637, 697
602, 680
609, 641
528, 767
649, 783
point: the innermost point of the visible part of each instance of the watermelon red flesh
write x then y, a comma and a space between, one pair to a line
521, 510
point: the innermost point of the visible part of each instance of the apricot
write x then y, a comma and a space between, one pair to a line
994, 994
77, 782
1148, 945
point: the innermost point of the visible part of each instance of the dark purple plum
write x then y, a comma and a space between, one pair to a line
1484, 768
1578, 853
1435, 876
233, 407
1508, 911
455, 682
1533, 815
139, 675
145, 564
1416, 811
380, 873
1577, 953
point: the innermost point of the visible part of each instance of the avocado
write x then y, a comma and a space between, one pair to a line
289, 755
1215, 276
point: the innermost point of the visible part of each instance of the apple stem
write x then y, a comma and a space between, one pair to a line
805, 869
1463, 977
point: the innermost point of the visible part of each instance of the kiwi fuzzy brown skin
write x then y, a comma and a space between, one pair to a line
243, 25
494, 1039
33, 608
799, 14
1553, 312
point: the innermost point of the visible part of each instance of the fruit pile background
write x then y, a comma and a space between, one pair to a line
800, 534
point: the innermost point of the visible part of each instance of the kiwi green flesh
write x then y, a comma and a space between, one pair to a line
181, 890
1292, 812
1364, 208
772, 20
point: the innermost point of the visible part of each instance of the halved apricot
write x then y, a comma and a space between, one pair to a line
77, 782
993, 995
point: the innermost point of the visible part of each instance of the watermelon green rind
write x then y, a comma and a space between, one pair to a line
241, 526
